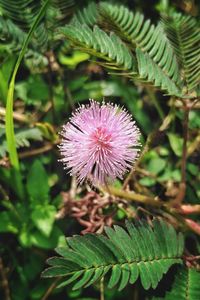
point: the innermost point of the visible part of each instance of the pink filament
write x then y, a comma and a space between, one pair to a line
100, 142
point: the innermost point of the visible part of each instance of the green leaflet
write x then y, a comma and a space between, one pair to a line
141, 250
158, 48
151, 72
184, 34
12, 34
88, 15
157, 60
114, 53
16, 20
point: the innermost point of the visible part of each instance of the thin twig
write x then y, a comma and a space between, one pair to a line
47, 147
185, 139
50, 289
149, 141
194, 145
182, 187
4, 193
156, 103
37, 151
187, 209
192, 258
191, 148
156, 202
69, 96
51, 91
37, 116
17, 116
194, 103
135, 293
153, 201
4, 281
102, 289
194, 226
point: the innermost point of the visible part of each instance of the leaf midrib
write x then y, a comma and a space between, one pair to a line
187, 286
121, 264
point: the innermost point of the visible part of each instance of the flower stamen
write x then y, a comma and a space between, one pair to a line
100, 142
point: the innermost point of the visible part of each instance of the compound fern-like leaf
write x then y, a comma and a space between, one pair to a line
23, 13
109, 48
18, 16
88, 15
185, 286
151, 41
184, 34
141, 250
12, 36
151, 72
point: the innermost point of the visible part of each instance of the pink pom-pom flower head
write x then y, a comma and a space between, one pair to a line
99, 143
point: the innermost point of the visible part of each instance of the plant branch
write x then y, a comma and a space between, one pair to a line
194, 226
4, 281
158, 203
150, 139
194, 145
134, 196
68, 96
185, 139
148, 144
187, 209
156, 103
17, 116
182, 187
37, 151
102, 289
50, 289
49, 56
10, 133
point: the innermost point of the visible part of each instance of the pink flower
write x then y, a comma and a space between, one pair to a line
100, 142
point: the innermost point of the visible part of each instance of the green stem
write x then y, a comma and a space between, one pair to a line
147, 146
156, 103
128, 195
10, 134
102, 289
182, 187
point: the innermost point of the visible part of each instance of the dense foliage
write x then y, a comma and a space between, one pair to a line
136, 238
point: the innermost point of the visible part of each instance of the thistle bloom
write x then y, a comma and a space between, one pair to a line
99, 143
